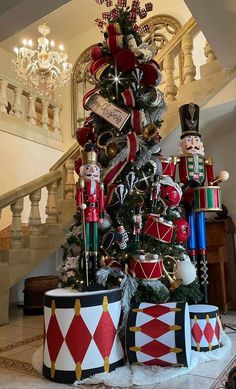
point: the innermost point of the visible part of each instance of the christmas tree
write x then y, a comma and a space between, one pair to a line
129, 230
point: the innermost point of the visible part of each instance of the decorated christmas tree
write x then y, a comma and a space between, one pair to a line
129, 229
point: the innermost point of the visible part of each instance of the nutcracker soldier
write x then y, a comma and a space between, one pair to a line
194, 168
90, 199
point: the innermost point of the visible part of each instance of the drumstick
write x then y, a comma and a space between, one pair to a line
222, 176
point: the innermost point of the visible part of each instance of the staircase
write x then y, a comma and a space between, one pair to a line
179, 87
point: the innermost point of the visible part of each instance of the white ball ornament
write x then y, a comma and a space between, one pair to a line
83, 206
186, 272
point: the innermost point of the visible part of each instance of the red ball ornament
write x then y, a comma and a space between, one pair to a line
170, 195
96, 53
125, 60
182, 230
78, 164
151, 74
84, 134
111, 262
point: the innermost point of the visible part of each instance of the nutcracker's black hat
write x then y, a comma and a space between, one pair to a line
189, 119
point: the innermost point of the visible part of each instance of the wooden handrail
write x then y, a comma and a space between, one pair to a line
173, 45
26, 189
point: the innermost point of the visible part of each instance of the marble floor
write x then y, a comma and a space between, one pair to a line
24, 335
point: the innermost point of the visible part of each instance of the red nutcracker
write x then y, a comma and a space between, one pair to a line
194, 168
90, 199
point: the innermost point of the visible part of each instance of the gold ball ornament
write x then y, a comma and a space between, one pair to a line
150, 131
111, 150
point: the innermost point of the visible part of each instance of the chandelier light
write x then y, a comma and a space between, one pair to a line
44, 69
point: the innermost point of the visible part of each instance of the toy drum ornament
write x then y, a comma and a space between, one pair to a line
159, 228
205, 327
80, 334
147, 270
207, 198
159, 334
168, 167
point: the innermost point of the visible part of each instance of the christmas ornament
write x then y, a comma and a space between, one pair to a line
147, 268
137, 76
142, 13
182, 230
111, 150
170, 195
149, 6
186, 272
159, 228
150, 131
206, 327
138, 223
144, 177
159, 334
151, 74
85, 134
96, 53
131, 181
125, 60
121, 192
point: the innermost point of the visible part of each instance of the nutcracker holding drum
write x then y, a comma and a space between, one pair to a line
193, 169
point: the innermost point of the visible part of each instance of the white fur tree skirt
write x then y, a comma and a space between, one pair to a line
130, 375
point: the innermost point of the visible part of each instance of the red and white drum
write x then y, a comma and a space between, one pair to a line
159, 228
81, 334
159, 334
147, 270
206, 327
168, 166
207, 198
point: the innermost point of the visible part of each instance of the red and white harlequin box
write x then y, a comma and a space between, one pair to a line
81, 334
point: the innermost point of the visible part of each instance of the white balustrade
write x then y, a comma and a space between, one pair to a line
3, 95
16, 231
31, 109
170, 89
34, 218
44, 116
70, 180
209, 53
18, 106
51, 207
56, 119
189, 72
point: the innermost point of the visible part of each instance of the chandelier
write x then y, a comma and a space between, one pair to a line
44, 69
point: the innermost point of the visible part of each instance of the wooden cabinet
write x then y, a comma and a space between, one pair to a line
221, 263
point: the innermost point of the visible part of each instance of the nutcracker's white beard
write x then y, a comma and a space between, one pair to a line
93, 186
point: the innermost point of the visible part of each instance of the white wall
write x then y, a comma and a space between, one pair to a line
22, 161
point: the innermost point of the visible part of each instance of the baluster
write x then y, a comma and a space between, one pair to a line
51, 208
56, 119
34, 218
70, 179
209, 53
189, 67
16, 231
3, 95
17, 106
31, 109
44, 117
170, 89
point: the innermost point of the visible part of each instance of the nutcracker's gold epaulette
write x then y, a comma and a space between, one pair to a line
208, 160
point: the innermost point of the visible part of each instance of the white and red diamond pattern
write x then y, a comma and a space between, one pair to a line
87, 338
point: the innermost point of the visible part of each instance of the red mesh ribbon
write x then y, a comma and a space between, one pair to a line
136, 121
128, 97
